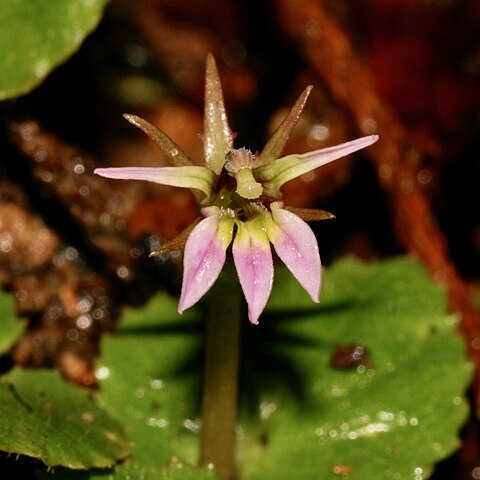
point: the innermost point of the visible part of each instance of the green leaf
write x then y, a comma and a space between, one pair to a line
147, 382
150, 380
391, 416
135, 469
131, 469
45, 417
10, 325
36, 36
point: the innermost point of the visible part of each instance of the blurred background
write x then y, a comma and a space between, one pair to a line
74, 247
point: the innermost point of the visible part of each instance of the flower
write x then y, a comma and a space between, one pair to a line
240, 199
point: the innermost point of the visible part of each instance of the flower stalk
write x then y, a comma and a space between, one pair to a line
220, 385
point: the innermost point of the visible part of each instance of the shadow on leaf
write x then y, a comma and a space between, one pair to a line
266, 356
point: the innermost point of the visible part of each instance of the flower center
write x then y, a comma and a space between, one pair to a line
239, 164
237, 159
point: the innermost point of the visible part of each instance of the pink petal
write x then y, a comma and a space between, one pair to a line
254, 264
297, 247
204, 256
188, 176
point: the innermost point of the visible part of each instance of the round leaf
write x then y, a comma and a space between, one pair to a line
36, 36
391, 412
309, 408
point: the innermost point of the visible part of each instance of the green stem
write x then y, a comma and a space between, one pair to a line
220, 387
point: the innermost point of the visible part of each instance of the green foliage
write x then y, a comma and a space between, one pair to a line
392, 415
132, 470
37, 35
10, 325
43, 416
147, 382
150, 374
